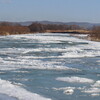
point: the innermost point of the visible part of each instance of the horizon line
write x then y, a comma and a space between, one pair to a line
51, 21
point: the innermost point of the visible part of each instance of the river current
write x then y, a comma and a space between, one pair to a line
49, 67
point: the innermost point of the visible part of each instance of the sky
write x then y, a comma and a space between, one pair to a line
51, 10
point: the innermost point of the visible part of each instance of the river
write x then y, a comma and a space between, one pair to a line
49, 67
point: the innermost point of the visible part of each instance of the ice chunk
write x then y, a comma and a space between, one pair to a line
75, 79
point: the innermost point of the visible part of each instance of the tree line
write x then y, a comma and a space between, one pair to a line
7, 28
95, 33
13, 28
37, 27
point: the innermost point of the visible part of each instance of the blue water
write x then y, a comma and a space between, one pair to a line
54, 66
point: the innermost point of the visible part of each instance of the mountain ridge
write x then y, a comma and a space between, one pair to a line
86, 25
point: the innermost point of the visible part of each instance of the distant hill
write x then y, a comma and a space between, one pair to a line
81, 24
85, 25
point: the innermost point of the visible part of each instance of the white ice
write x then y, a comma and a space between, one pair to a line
9, 89
75, 79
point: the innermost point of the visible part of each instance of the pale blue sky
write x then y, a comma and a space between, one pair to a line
52, 10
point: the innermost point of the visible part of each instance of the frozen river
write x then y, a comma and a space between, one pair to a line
49, 67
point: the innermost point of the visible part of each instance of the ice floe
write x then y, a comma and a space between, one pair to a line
75, 79
12, 90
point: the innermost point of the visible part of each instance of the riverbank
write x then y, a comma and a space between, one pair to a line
86, 37
24, 30
49, 31
94, 39
81, 34
69, 31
